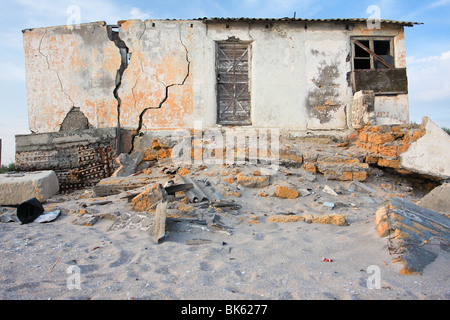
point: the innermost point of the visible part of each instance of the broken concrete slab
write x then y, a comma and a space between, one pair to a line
128, 164
116, 185
438, 199
85, 220
147, 200
159, 228
429, 154
16, 188
413, 227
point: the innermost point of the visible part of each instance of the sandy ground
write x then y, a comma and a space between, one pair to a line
255, 261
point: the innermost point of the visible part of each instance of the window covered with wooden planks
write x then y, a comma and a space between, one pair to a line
233, 93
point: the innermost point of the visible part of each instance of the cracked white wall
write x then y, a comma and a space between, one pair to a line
69, 67
156, 90
298, 74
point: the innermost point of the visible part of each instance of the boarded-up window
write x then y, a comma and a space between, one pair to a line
233, 94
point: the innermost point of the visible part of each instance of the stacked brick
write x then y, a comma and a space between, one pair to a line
386, 143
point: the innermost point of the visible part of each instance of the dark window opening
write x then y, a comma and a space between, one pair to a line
374, 66
372, 54
382, 47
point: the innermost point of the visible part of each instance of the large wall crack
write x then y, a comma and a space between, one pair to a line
166, 95
113, 35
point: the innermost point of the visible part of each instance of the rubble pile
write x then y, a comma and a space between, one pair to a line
320, 180
386, 143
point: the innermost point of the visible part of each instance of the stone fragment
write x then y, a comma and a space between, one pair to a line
184, 172
146, 200
251, 181
285, 218
329, 190
85, 220
128, 164
159, 228
438, 199
16, 188
287, 193
334, 219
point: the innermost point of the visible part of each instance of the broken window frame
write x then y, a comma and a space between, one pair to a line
374, 77
356, 41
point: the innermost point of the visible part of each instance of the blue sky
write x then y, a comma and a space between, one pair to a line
427, 46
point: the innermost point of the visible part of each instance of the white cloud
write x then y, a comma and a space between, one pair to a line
136, 13
440, 3
428, 77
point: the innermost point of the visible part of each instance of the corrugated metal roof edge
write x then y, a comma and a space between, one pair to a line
404, 23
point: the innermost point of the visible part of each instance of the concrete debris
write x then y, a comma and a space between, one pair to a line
316, 183
337, 220
159, 230
438, 199
327, 189
128, 164
414, 230
407, 149
85, 220
252, 181
285, 192
17, 188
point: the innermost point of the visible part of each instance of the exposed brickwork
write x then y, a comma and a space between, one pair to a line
80, 159
385, 144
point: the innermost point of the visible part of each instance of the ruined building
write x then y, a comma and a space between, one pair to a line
93, 87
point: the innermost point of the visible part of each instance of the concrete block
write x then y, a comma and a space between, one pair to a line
416, 230
429, 153
438, 199
16, 188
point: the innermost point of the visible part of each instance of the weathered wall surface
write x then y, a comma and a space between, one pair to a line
79, 158
327, 64
156, 89
392, 109
70, 67
299, 74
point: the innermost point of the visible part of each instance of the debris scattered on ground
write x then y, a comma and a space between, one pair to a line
412, 232
330, 184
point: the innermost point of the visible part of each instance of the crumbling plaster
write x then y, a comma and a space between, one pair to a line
158, 75
66, 67
299, 74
